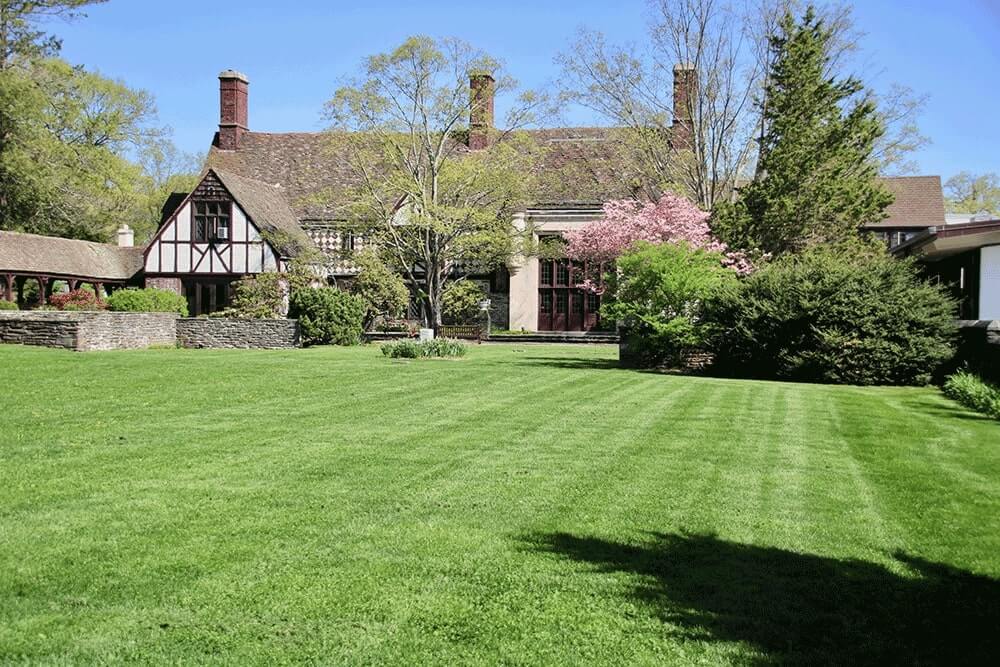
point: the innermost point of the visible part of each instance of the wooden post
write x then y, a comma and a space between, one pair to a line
42, 290
9, 286
19, 281
98, 288
73, 284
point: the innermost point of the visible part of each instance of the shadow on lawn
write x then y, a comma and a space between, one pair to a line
570, 362
930, 405
804, 608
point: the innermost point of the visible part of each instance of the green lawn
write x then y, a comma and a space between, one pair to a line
528, 504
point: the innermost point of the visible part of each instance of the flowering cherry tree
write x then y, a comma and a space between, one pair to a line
672, 219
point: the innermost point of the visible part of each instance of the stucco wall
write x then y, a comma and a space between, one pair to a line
989, 283
234, 333
523, 306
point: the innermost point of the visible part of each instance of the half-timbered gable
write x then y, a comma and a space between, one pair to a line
229, 226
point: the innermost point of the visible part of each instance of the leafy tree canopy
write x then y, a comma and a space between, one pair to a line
436, 210
80, 153
972, 193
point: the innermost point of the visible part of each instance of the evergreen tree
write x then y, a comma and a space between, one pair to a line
816, 177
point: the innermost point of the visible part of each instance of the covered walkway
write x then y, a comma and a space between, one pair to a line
46, 260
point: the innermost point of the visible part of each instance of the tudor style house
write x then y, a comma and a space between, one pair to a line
226, 228
264, 197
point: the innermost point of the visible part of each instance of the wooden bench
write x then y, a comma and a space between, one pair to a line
465, 331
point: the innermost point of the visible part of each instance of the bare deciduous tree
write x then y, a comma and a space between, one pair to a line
724, 44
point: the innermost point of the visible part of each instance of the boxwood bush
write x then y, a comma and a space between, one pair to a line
148, 300
851, 315
327, 315
8, 305
970, 390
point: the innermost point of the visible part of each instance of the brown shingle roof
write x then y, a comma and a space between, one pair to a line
578, 168
310, 171
49, 255
918, 203
267, 207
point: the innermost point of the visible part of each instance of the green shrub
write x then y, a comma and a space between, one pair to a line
403, 349
437, 347
973, 392
460, 303
659, 294
148, 300
260, 297
850, 315
7, 305
381, 290
78, 299
327, 316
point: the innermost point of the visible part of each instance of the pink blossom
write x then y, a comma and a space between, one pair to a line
672, 219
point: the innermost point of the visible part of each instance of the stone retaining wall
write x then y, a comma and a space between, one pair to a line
87, 330
102, 330
226, 332
39, 328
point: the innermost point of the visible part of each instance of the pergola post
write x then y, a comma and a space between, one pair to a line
9, 286
73, 284
43, 296
98, 288
19, 281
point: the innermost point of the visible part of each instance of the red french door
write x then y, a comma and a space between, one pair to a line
562, 304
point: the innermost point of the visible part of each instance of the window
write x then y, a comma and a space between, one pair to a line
578, 275
546, 303
561, 302
546, 272
347, 241
562, 273
593, 302
211, 221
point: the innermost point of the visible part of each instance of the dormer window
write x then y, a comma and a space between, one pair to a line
210, 221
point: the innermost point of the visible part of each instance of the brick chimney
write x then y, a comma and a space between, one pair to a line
685, 98
233, 105
481, 90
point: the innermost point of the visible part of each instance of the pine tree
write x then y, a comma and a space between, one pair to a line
816, 180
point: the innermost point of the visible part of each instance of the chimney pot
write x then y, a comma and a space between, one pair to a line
233, 108
482, 88
126, 237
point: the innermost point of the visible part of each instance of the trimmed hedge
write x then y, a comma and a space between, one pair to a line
327, 316
147, 300
850, 315
8, 305
436, 347
973, 392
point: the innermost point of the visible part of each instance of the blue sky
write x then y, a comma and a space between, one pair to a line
295, 51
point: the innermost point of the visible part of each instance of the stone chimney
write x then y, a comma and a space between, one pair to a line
685, 98
481, 90
126, 237
233, 108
